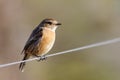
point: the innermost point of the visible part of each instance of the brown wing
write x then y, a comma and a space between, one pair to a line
34, 39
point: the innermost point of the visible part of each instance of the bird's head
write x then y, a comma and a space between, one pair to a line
50, 23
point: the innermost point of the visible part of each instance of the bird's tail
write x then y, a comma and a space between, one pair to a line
22, 64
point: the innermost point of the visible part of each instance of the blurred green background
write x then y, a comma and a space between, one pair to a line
83, 22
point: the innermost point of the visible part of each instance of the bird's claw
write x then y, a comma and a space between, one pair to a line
42, 58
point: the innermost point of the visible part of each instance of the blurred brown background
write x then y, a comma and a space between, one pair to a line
84, 22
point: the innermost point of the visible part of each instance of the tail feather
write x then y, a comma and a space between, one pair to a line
22, 64
21, 67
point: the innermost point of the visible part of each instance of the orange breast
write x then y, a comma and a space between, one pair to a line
46, 42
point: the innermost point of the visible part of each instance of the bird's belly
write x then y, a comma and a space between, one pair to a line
47, 48
46, 43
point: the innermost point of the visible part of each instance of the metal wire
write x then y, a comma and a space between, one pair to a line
66, 51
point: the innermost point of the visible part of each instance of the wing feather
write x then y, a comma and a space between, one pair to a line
34, 39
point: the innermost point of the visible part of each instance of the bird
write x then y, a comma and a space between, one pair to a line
40, 41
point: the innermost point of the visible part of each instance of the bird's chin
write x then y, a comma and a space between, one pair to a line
54, 28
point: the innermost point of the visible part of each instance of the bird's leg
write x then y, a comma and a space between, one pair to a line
43, 57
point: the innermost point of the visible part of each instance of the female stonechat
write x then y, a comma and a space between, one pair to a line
41, 40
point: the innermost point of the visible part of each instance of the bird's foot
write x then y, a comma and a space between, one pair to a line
42, 58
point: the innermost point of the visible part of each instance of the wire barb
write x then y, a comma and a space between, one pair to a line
64, 52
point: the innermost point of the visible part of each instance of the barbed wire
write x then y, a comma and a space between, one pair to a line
66, 51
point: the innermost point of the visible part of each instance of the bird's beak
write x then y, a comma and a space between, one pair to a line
58, 24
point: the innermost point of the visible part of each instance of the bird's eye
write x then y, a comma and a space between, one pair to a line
49, 23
